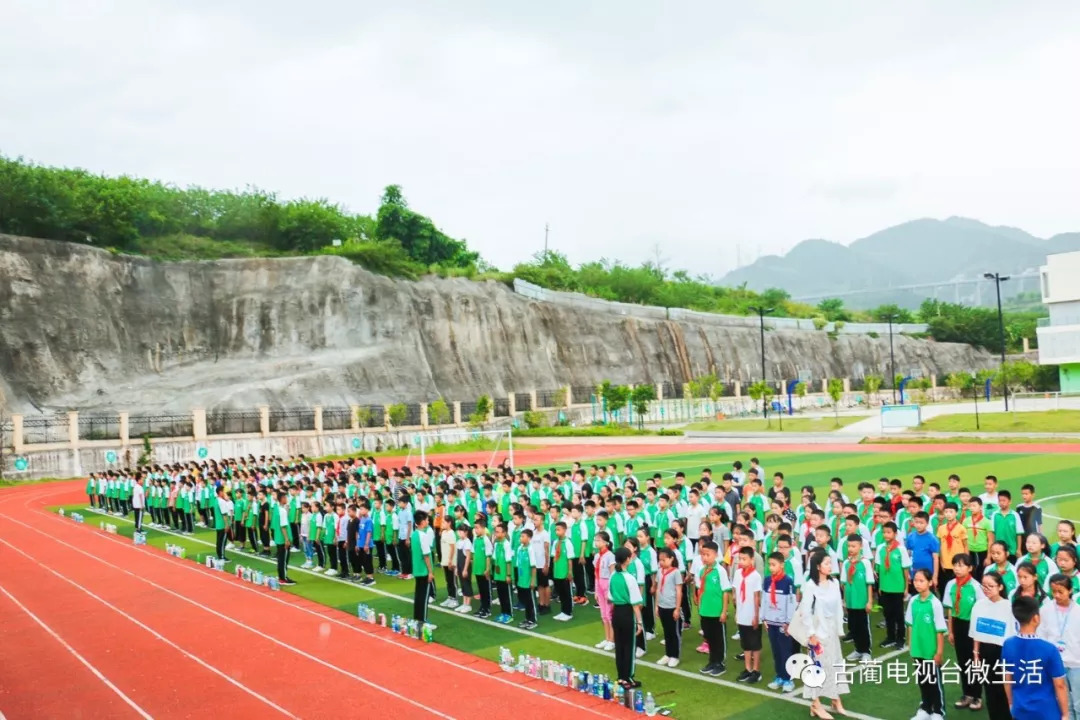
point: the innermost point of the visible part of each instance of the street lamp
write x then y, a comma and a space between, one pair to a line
762, 311
891, 318
998, 278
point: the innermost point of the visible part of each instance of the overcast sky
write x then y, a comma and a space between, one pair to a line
702, 126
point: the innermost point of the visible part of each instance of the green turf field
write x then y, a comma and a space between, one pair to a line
790, 424
1045, 421
694, 696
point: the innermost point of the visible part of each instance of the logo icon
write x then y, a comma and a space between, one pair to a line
801, 667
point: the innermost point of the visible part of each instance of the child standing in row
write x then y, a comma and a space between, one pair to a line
713, 587
925, 619
625, 598
778, 603
960, 597
669, 592
747, 615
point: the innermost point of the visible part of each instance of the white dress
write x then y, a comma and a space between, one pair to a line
822, 611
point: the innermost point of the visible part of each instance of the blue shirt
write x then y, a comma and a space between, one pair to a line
922, 547
405, 523
1033, 663
363, 532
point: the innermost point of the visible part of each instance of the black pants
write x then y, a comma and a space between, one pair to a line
331, 554
365, 561
979, 558
686, 599
965, 655
624, 627
294, 531
264, 538
391, 550
930, 688
715, 635
220, 544
997, 705
253, 536
858, 622
189, 522
892, 604
566, 600
356, 561
343, 558
672, 632
579, 579
124, 507
590, 575
319, 554
483, 586
239, 533
451, 581
420, 598
380, 549
506, 605
282, 561
944, 576
527, 601
405, 556
138, 519
648, 613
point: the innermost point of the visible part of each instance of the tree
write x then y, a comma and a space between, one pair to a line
800, 389
961, 382
836, 391
761, 391
615, 397
364, 417
396, 414
640, 397
483, 410
1018, 373
898, 314
871, 384
833, 309
439, 413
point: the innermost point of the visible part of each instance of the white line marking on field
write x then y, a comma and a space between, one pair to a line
153, 632
1056, 497
80, 658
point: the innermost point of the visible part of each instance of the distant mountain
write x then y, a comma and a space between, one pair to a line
874, 269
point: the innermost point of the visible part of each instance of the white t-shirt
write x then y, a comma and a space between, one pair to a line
606, 565
992, 622
447, 538
540, 539
694, 515
1061, 628
745, 598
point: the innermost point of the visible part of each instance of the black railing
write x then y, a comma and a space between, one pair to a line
502, 407
371, 416
523, 402
99, 427
292, 420
232, 423
165, 426
42, 429
582, 394
337, 418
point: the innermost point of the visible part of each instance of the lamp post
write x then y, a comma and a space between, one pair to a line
762, 311
998, 278
892, 317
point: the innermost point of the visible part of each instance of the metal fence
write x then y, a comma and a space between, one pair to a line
233, 423
549, 398
502, 407
582, 394
170, 426
45, 429
410, 416
372, 416
99, 427
523, 401
857, 384
292, 420
337, 418
467, 409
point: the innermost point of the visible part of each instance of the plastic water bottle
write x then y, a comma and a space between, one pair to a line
394, 623
649, 705
521, 663
619, 692
382, 619
639, 701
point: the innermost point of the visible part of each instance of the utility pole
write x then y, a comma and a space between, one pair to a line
998, 278
891, 317
762, 311
545, 239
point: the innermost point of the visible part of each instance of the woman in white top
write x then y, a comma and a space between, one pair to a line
822, 612
991, 624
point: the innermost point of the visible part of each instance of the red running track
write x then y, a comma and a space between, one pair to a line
97, 627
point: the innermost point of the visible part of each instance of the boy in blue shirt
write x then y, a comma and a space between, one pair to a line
1035, 675
778, 603
364, 539
924, 548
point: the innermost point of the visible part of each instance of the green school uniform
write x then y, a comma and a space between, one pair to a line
857, 578
419, 566
978, 538
1042, 568
313, 526
219, 519
91, 487
712, 585
278, 527
329, 528
481, 550
623, 589
926, 618
963, 601
523, 563
500, 558
1008, 577
891, 577
562, 552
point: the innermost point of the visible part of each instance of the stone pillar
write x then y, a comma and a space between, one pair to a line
264, 420
512, 403
17, 434
318, 419
659, 391
686, 390
386, 416
933, 378
125, 431
354, 420
1027, 345
73, 429
532, 399
569, 396
457, 412
423, 415
738, 388
847, 385
198, 423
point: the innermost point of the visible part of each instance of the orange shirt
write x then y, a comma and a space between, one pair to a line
959, 543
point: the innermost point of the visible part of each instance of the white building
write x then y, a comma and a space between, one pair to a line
1059, 335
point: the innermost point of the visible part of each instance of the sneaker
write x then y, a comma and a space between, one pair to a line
464, 609
331, 573
885, 644
744, 676
881, 624
921, 715
230, 546
609, 646
445, 603
368, 582
561, 617
506, 619
529, 625
741, 656
317, 569
663, 661
483, 614
755, 677
650, 636
600, 645
673, 662
294, 549
639, 653
703, 648
718, 669
735, 636
854, 655
776, 684
288, 581
788, 687
303, 565
404, 577
452, 604
596, 606
865, 658
707, 670
581, 601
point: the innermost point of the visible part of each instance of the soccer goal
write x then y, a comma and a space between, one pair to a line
495, 445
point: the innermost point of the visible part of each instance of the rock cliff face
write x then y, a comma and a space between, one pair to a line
82, 328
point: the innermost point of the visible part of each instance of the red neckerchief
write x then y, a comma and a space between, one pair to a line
948, 534
742, 586
598, 563
852, 566
975, 520
772, 588
704, 578
664, 574
888, 552
956, 597
558, 550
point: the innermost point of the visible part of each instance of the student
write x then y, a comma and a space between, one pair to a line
924, 548
1027, 583
857, 580
953, 538
448, 560
960, 597
481, 566
405, 528
604, 561
541, 550
315, 530
1066, 536
669, 591
1008, 526
219, 507
420, 545
364, 538
925, 618
712, 590
778, 602
637, 571
625, 597
502, 556
1037, 549
343, 539
280, 528
991, 624
1066, 561
1031, 695
329, 538
747, 587
980, 535
562, 556
1001, 565
893, 566
138, 502
525, 568
1062, 629
647, 556
1029, 511
463, 567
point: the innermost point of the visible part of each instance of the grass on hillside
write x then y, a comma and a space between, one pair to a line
172, 248
695, 697
790, 424
1043, 421
592, 431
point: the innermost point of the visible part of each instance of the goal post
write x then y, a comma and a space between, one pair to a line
499, 443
